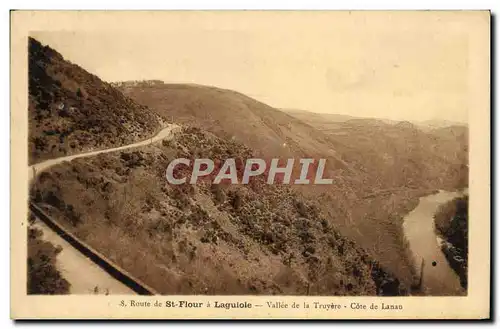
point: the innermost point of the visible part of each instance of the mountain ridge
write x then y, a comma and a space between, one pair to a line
71, 110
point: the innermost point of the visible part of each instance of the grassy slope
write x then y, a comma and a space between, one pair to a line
380, 168
204, 239
451, 223
43, 276
71, 110
364, 158
232, 115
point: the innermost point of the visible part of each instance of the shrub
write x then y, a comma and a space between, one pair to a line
451, 223
43, 276
218, 193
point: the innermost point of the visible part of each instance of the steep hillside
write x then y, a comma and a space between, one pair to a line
206, 238
71, 110
232, 115
43, 276
344, 238
451, 224
367, 154
122, 197
401, 155
398, 154
380, 168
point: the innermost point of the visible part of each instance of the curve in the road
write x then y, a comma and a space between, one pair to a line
108, 276
165, 133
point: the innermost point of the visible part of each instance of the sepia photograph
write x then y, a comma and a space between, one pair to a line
214, 157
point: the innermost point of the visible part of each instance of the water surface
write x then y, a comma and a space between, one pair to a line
438, 277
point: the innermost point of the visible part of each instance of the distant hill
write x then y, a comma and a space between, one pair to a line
231, 115
398, 153
318, 117
436, 124
215, 239
381, 153
71, 110
201, 239
228, 114
326, 121
234, 239
380, 167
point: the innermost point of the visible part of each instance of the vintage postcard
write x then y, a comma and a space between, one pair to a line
250, 164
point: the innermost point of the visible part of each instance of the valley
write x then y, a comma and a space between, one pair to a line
109, 188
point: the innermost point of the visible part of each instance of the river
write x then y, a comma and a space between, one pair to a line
438, 277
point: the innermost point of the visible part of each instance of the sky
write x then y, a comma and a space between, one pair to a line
406, 66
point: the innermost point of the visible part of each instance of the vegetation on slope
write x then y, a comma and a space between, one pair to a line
205, 238
380, 168
451, 223
43, 276
225, 239
230, 115
367, 155
400, 155
71, 110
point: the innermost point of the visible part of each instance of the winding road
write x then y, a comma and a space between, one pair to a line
83, 274
165, 133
